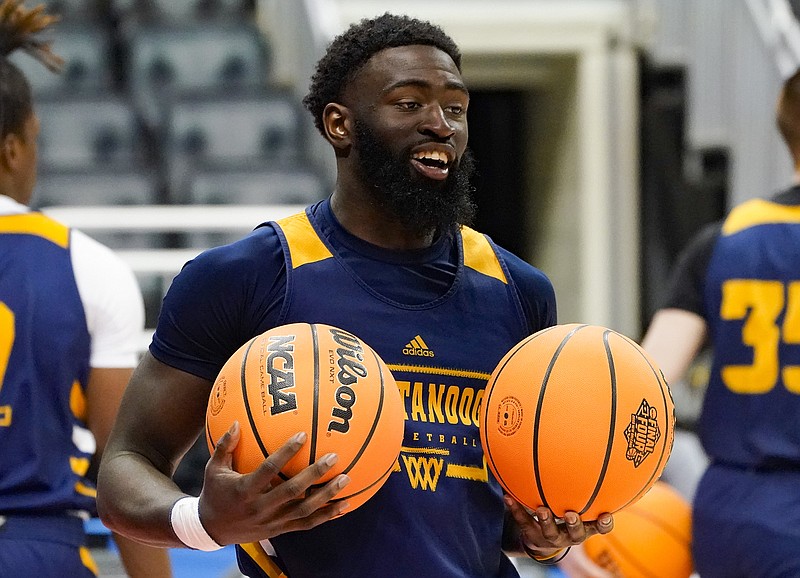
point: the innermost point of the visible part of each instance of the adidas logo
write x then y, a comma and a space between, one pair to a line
418, 347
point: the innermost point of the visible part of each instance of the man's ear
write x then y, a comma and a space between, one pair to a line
9, 151
338, 124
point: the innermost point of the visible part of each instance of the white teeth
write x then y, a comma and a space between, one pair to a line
432, 155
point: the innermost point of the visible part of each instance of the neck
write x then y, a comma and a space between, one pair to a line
360, 217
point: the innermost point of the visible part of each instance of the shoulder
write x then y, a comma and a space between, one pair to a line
98, 268
243, 253
526, 276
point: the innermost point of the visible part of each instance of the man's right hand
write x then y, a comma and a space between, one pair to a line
240, 508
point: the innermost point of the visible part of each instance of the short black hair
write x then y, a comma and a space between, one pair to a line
355, 46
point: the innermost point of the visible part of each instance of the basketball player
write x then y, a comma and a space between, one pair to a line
384, 257
738, 284
70, 316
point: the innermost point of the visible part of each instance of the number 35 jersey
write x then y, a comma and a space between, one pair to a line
751, 298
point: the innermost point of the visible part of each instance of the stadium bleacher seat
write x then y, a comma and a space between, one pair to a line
78, 10
87, 131
253, 184
183, 10
166, 61
86, 50
96, 186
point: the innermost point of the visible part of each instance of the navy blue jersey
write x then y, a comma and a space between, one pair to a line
441, 318
44, 368
752, 407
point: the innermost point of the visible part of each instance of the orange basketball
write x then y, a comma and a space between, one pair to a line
320, 380
577, 417
650, 538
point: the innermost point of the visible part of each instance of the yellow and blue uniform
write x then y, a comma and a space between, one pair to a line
44, 368
743, 278
440, 317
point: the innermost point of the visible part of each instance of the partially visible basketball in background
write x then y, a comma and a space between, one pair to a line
320, 380
650, 539
577, 417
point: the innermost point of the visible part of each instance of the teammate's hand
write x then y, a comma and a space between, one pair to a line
239, 508
544, 533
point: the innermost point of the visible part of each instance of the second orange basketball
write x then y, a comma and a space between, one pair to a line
577, 417
323, 381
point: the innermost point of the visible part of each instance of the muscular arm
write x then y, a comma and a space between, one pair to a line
104, 392
161, 415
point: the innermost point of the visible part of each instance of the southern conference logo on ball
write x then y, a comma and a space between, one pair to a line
509, 416
642, 433
217, 400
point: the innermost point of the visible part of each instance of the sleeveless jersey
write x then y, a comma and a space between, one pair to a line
44, 367
441, 512
752, 296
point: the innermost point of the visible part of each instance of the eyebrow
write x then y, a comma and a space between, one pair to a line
419, 83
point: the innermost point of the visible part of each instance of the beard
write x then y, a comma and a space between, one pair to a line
420, 204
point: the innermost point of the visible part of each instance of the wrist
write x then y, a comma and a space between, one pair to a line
548, 557
185, 521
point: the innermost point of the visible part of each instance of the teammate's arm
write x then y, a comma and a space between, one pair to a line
674, 338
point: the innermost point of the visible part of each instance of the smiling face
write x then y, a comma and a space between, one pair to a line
409, 142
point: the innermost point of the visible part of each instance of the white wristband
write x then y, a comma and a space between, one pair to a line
185, 520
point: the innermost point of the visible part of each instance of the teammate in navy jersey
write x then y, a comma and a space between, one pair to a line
737, 285
71, 317
388, 257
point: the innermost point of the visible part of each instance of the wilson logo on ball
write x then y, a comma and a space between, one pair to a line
349, 358
280, 365
642, 433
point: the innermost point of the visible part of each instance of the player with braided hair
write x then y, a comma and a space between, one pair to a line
71, 313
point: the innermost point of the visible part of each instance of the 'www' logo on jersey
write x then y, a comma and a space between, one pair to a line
423, 472
418, 347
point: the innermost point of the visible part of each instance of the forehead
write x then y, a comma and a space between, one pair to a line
408, 64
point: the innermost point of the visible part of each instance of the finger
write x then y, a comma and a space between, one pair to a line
322, 514
605, 523
296, 486
319, 498
271, 467
223, 453
576, 529
548, 524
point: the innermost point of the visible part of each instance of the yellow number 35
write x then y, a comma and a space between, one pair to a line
761, 303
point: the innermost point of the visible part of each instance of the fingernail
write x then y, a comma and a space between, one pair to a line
571, 518
234, 428
543, 515
343, 507
330, 459
604, 521
299, 438
508, 502
342, 481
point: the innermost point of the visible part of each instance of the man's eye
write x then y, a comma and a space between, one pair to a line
456, 109
408, 105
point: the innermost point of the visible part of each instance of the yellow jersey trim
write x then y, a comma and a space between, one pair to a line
479, 255
439, 371
759, 212
264, 561
305, 246
36, 224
